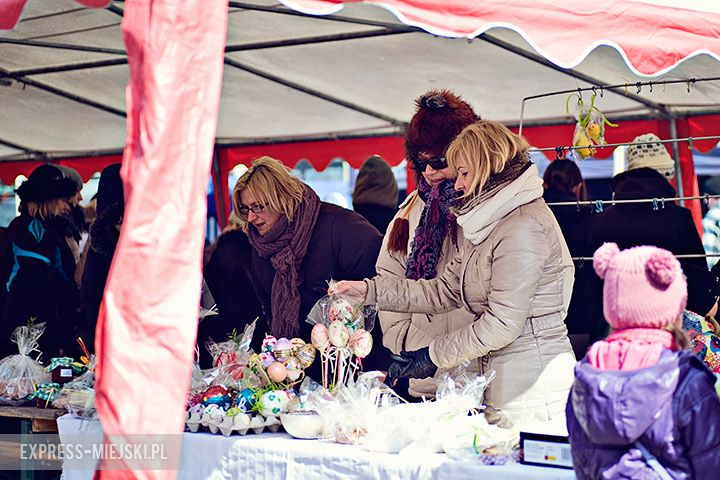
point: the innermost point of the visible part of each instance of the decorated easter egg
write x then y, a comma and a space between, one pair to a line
297, 344
338, 334
293, 368
277, 372
360, 343
306, 355
212, 410
268, 344
342, 310
319, 337
273, 402
282, 350
266, 359
246, 399
217, 396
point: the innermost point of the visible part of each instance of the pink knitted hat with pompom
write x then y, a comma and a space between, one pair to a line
644, 286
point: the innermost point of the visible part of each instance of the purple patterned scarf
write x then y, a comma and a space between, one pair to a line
436, 221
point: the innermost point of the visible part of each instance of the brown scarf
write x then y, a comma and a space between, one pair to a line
286, 245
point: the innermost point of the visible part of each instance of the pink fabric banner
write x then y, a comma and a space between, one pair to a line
652, 35
148, 320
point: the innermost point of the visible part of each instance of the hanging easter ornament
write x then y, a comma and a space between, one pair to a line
297, 344
589, 127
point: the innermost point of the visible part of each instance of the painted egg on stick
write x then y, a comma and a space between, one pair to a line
319, 337
338, 334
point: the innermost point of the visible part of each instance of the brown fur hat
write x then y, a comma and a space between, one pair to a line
441, 115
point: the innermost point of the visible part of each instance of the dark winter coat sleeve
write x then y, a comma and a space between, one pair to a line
92, 286
356, 246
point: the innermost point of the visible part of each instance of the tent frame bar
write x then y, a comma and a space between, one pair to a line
62, 46
312, 40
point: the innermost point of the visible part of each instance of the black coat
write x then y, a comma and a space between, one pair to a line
378, 215
631, 225
575, 225
343, 246
227, 276
37, 269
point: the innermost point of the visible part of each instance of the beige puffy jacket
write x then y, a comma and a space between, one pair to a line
411, 331
517, 281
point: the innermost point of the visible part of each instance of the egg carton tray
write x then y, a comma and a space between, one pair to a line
241, 423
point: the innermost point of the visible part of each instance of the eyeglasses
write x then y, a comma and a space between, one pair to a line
437, 163
255, 208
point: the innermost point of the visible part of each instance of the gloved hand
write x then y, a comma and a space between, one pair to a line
414, 364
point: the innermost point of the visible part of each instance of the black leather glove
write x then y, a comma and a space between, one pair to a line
415, 364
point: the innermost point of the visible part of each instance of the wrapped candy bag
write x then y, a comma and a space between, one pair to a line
20, 373
590, 126
233, 354
341, 333
78, 396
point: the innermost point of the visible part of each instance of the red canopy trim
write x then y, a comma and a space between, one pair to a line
86, 166
652, 38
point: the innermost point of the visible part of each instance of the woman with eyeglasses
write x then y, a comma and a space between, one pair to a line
514, 274
424, 235
298, 244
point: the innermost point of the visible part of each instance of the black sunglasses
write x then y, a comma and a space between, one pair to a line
437, 163
255, 208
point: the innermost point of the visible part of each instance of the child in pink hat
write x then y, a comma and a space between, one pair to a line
641, 407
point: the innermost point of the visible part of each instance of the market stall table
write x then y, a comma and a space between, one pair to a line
279, 456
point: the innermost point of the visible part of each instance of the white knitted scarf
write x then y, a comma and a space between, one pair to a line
479, 220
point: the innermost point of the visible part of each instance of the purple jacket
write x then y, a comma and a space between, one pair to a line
671, 408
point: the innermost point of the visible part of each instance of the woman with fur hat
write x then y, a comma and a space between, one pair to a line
641, 406
513, 273
424, 236
38, 265
298, 244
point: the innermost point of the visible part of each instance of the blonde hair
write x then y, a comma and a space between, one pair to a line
45, 210
271, 183
484, 147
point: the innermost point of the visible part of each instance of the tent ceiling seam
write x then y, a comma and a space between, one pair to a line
65, 68
62, 46
16, 146
292, 42
314, 93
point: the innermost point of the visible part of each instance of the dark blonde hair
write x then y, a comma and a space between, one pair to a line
485, 147
45, 210
272, 184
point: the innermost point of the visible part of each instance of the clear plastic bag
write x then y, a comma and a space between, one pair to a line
341, 333
19, 373
589, 127
78, 396
232, 355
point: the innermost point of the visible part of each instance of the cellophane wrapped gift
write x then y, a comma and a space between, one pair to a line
230, 357
19, 373
421, 428
78, 395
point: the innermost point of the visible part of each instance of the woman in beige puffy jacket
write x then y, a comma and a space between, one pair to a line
514, 273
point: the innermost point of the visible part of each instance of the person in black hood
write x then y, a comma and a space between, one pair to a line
670, 227
37, 264
375, 196
104, 235
563, 182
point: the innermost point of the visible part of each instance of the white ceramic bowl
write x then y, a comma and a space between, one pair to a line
307, 425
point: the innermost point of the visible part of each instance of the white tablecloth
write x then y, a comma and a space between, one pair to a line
279, 456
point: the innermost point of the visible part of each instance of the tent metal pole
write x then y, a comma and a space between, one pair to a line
64, 94
16, 146
672, 122
312, 40
62, 46
65, 68
314, 93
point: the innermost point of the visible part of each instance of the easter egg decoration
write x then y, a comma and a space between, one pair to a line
360, 343
319, 337
277, 372
306, 355
282, 349
342, 310
217, 396
338, 334
293, 368
268, 344
273, 402
246, 399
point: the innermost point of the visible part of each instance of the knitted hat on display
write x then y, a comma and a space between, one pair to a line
651, 155
441, 115
46, 182
644, 286
376, 184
